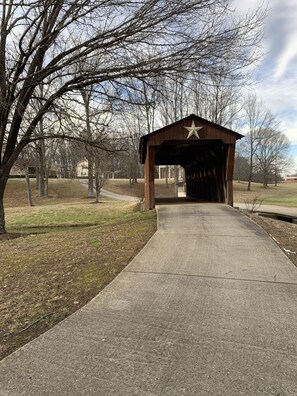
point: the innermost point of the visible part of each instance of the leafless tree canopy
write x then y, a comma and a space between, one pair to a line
265, 147
65, 46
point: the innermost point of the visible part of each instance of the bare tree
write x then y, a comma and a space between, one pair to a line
143, 101
272, 154
99, 175
241, 165
136, 117
67, 155
45, 153
215, 98
92, 130
259, 120
174, 101
44, 43
24, 161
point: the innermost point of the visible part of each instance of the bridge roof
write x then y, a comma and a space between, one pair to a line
179, 140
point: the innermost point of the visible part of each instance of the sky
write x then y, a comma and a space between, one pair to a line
276, 76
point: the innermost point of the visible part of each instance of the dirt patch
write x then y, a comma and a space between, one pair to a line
11, 235
283, 233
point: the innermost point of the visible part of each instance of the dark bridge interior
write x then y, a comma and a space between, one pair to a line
204, 163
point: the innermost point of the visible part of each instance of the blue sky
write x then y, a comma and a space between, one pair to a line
276, 75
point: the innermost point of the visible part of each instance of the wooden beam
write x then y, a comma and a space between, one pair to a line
229, 173
149, 178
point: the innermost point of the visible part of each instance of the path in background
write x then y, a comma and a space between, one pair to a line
208, 307
271, 209
112, 195
119, 197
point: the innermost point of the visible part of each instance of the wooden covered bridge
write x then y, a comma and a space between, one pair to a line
205, 150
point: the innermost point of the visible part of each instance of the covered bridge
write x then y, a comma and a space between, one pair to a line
205, 150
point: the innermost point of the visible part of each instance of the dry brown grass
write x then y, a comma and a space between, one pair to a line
122, 186
284, 194
67, 253
283, 233
60, 190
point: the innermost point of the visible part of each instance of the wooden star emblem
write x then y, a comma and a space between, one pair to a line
193, 130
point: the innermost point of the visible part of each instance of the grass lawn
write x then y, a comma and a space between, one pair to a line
60, 190
285, 194
69, 250
122, 186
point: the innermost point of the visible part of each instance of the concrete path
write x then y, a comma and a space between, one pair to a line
208, 307
119, 197
109, 194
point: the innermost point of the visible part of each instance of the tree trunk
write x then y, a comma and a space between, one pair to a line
37, 178
41, 186
90, 178
28, 186
176, 180
97, 187
3, 182
46, 187
250, 173
41, 167
166, 175
250, 180
249, 185
275, 176
99, 181
264, 178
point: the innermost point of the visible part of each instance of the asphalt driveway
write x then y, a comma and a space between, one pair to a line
208, 307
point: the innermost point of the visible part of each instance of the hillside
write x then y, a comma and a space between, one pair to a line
59, 190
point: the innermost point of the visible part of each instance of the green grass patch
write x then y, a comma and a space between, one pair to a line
285, 194
63, 215
281, 200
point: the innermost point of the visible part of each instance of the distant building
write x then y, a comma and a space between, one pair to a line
82, 169
18, 170
169, 170
291, 179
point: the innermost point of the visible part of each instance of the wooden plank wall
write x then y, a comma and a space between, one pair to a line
206, 181
178, 132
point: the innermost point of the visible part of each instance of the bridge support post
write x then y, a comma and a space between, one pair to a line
149, 178
229, 173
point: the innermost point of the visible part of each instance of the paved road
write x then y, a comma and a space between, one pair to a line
208, 307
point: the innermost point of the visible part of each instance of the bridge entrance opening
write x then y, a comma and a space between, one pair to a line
205, 150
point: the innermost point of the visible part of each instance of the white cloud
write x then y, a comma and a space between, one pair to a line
291, 132
288, 55
281, 99
243, 6
276, 76
283, 22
